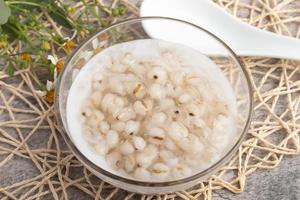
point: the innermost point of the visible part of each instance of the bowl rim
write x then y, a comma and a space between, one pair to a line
89, 164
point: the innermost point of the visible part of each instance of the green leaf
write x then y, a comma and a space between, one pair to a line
60, 20
11, 31
51, 69
59, 16
10, 71
43, 87
4, 12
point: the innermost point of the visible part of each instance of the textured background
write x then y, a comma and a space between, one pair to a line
282, 183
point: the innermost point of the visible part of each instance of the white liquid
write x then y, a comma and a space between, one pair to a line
148, 48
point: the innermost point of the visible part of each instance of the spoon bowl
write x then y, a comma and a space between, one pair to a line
244, 39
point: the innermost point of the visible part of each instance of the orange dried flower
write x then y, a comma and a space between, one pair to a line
97, 50
50, 96
80, 63
26, 57
69, 45
103, 37
59, 65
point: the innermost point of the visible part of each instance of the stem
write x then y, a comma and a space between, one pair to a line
53, 24
23, 2
16, 7
90, 8
30, 42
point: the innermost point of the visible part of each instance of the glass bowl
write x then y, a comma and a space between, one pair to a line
171, 30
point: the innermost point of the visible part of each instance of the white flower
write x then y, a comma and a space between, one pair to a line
49, 85
53, 59
98, 44
87, 55
95, 43
41, 93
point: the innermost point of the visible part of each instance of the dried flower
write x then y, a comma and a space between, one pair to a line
41, 93
103, 36
45, 46
3, 41
59, 65
79, 63
69, 45
70, 9
49, 85
53, 59
97, 50
50, 96
26, 57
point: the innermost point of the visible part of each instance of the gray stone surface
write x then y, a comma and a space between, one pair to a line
281, 183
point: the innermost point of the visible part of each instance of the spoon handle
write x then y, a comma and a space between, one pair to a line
251, 41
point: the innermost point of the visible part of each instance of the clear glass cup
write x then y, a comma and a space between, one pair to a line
171, 30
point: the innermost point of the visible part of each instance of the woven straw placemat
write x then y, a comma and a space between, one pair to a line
31, 145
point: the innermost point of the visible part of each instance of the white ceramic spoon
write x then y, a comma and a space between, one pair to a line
244, 39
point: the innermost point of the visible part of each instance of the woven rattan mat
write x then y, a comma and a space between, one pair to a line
31, 145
